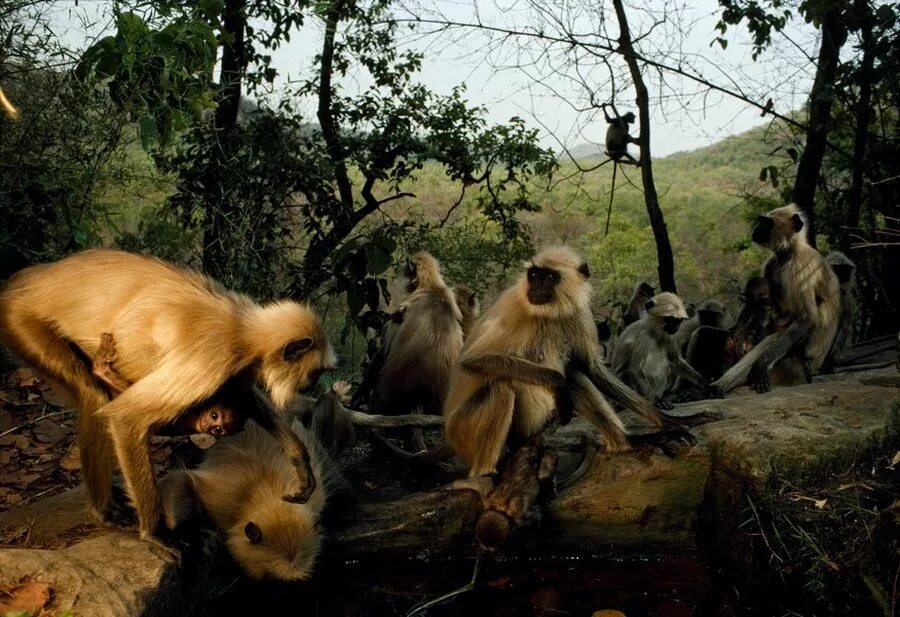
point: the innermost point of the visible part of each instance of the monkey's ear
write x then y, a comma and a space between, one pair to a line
585, 271
253, 532
649, 304
797, 222
297, 348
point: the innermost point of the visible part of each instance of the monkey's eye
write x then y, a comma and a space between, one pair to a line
215, 415
218, 431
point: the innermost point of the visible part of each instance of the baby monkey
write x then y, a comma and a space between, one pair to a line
216, 419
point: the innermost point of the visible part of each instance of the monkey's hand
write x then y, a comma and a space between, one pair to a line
307, 482
759, 378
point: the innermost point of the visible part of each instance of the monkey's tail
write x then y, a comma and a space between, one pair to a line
593, 407
612, 193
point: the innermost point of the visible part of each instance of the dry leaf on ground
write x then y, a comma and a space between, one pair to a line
29, 597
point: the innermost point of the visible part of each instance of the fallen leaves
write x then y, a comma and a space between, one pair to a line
29, 597
819, 503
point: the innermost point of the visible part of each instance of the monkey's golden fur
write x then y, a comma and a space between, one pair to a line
242, 481
422, 352
806, 304
181, 340
516, 358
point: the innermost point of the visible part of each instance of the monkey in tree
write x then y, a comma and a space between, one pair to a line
416, 370
643, 292
183, 342
806, 306
512, 374
647, 356
618, 135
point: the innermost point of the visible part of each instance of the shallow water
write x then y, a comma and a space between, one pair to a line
658, 587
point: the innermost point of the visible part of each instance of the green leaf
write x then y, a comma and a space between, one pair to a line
149, 134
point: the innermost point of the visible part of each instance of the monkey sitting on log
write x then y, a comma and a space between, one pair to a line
183, 342
647, 356
417, 365
806, 306
524, 354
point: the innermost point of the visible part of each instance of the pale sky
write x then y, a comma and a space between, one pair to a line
684, 116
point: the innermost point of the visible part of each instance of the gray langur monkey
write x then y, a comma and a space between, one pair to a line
845, 270
618, 135
642, 294
709, 313
417, 365
806, 306
755, 319
647, 357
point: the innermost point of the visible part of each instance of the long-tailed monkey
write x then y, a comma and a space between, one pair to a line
417, 365
647, 356
514, 365
182, 341
806, 306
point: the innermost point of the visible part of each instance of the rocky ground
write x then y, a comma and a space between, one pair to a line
792, 490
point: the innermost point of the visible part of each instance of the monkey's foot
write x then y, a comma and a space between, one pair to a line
115, 516
759, 379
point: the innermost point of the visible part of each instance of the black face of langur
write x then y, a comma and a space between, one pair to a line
670, 324
774, 234
542, 283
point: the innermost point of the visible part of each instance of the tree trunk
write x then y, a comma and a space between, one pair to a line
834, 34
665, 262
234, 62
861, 138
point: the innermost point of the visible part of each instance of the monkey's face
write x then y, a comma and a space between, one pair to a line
646, 290
844, 272
775, 229
672, 324
281, 542
220, 421
297, 368
542, 284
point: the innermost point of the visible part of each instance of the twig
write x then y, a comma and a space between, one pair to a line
38, 419
470, 586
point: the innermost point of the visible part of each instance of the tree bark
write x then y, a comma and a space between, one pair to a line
234, 63
861, 137
834, 34
665, 261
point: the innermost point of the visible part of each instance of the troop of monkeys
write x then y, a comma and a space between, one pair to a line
144, 347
